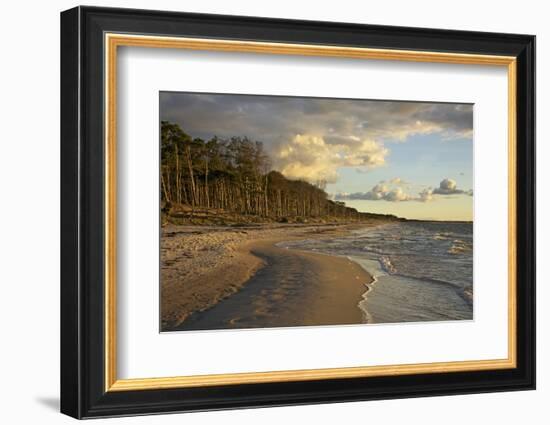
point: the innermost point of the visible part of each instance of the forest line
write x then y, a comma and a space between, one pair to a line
235, 175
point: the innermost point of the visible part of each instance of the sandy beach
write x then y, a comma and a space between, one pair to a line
235, 277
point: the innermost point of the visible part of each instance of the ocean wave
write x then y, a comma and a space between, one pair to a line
436, 254
387, 265
392, 286
451, 235
431, 280
460, 247
468, 294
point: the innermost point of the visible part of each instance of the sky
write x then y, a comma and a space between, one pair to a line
411, 159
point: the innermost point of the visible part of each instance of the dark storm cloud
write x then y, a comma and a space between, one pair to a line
275, 116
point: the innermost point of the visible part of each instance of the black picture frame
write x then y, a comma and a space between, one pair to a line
83, 392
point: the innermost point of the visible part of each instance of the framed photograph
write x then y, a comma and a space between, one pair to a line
261, 212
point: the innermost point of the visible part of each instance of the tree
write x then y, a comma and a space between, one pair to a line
235, 175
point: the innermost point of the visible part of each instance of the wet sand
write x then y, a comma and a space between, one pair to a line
293, 288
237, 278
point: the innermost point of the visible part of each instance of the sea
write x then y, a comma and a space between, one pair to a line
422, 271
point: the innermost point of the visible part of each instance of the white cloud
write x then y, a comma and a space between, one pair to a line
309, 157
382, 192
447, 187
426, 195
376, 193
397, 195
397, 181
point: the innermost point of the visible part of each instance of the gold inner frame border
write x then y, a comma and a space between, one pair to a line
111, 43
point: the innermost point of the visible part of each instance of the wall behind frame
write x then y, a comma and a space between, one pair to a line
29, 217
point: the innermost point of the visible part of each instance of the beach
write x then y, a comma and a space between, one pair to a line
236, 277
422, 270
278, 275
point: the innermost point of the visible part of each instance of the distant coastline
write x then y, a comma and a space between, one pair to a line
437, 221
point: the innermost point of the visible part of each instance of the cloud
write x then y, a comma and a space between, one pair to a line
396, 195
397, 181
311, 158
381, 192
447, 187
426, 195
266, 117
350, 132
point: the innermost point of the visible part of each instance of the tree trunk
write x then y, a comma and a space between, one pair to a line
178, 190
265, 197
206, 183
166, 195
191, 176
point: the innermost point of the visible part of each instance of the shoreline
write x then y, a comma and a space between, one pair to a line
215, 270
293, 288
